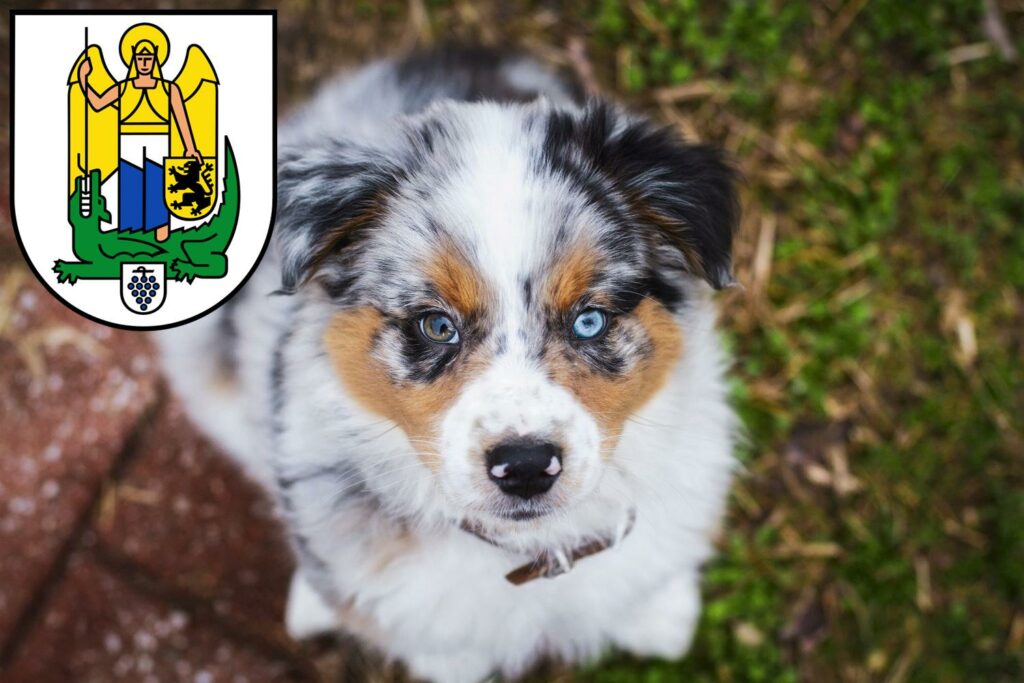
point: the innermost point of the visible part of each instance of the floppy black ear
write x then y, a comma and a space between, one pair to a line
686, 191
328, 198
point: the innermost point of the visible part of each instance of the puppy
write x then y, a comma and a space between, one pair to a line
478, 369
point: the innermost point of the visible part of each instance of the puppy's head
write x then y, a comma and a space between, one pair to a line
505, 284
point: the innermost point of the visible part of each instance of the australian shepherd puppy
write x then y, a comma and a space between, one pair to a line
478, 369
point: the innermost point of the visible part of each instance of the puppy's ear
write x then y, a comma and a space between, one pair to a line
685, 191
328, 199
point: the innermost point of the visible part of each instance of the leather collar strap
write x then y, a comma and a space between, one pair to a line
549, 564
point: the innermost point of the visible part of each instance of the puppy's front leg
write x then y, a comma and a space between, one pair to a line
664, 623
307, 614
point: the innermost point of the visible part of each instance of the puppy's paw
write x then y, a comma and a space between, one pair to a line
663, 625
451, 667
307, 614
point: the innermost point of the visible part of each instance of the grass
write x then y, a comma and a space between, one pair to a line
877, 530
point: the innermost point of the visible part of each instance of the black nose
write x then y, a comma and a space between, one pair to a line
524, 468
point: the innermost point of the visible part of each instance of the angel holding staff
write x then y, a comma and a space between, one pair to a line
152, 121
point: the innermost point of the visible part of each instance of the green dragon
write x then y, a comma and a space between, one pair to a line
187, 254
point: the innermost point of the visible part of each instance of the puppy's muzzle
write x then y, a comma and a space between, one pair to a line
524, 468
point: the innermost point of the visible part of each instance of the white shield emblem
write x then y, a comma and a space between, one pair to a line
143, 141
143, 286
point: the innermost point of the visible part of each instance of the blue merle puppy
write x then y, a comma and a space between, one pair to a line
478, 368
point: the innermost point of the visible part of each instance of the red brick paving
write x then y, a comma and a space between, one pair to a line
179, 528
98, 627
68, 404
130, 549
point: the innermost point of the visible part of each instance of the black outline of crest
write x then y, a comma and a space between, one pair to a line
142, 15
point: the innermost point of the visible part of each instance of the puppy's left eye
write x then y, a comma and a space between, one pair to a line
589, 324
439, 328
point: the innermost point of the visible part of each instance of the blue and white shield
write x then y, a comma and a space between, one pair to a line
143, 286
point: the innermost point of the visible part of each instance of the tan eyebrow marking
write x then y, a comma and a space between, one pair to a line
570, 278
457, 281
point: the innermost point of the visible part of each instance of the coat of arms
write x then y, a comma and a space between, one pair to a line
153, 193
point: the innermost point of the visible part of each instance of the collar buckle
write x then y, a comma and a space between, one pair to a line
556, 564
552, 563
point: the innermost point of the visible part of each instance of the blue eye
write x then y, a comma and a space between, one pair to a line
439, 328
589, 324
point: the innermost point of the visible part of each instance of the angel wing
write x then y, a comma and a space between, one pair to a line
92, 135
198, 83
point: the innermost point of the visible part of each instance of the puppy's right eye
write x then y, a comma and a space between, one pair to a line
589, 324
439, 328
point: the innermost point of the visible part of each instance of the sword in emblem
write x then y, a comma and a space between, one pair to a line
85, 184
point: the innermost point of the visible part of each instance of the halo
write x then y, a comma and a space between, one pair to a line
148, 32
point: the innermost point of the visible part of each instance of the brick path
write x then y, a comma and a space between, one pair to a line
130, 549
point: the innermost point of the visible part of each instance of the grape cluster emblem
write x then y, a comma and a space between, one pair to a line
143, 286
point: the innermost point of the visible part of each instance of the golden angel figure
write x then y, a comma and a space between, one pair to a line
158, 136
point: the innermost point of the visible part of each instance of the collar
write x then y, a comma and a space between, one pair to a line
551, 563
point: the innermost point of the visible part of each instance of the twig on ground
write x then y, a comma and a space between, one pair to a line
762, 268
995, 28
581, 64
843, 20
968, 53
418, 30
693, 90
